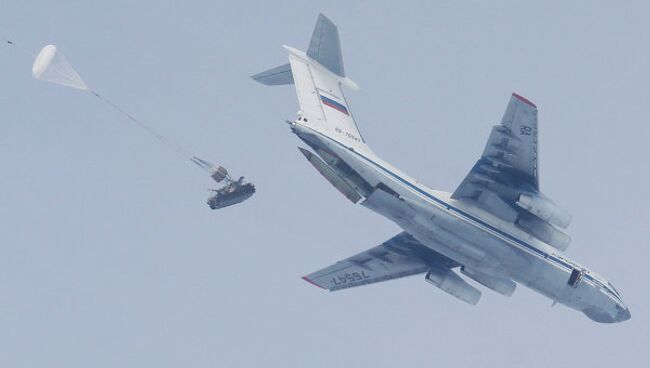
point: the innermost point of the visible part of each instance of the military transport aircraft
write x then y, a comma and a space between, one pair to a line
497, 228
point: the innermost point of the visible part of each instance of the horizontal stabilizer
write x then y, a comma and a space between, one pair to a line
275, 77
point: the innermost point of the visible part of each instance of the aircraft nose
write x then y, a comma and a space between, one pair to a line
622, 313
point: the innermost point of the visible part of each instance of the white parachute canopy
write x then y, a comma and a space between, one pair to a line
51, 66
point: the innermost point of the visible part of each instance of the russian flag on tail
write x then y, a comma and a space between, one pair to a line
335, 105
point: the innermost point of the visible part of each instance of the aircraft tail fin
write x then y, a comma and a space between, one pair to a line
325, 46
318, 76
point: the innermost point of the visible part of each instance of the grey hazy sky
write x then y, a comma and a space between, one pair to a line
109, 256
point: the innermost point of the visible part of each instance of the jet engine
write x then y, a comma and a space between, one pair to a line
449, 282
500, 285
546, 210
544, 231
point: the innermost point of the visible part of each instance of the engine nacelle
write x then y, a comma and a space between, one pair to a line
544, 232
449, 282
546, 210
502, 286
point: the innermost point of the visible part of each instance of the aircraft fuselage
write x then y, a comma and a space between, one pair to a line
466, 234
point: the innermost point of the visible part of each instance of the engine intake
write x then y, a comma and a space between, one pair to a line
544, 231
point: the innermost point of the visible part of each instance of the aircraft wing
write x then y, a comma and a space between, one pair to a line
398, 257
510, 155
505, 180
508, 165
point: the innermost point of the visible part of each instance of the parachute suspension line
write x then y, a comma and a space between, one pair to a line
51, 66
65, 75
217, 173
177, 148
205, 165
